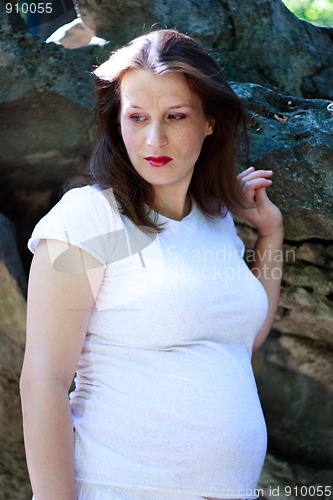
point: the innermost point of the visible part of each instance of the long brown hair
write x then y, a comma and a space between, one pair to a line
213, 186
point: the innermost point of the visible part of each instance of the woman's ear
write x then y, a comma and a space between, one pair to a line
210, 126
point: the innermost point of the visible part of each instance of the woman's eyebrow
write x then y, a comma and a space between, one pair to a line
176, 106
135, 106
181, 106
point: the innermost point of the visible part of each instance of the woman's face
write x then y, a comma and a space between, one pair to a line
163, 127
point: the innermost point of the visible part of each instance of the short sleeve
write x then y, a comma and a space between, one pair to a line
85, 217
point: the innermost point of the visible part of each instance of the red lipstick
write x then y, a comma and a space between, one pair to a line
158, 161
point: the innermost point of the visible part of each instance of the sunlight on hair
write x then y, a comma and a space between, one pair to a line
112, 68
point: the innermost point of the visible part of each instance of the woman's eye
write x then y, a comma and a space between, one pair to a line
137, 118
174, 116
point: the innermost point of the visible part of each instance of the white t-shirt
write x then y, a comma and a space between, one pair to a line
165, 396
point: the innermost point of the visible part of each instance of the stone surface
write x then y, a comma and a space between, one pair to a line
294, 138
13, 474
297, 398
282, 480
47, 123
259, 41
46, 109
306, 306
9, 254
294, 367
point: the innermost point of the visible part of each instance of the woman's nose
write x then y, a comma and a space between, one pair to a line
156, 135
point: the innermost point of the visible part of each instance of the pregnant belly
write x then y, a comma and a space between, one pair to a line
189, 417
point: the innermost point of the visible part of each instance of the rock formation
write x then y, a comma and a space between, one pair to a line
47, 130
13, 474
294, 368
259, 41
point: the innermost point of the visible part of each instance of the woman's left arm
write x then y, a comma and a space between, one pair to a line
267, 259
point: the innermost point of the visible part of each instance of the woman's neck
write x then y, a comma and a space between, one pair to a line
173, 207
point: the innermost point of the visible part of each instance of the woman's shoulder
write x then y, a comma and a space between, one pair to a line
84, 217
86, 194
86, 203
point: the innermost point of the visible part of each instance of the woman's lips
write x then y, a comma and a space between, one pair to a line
158, 161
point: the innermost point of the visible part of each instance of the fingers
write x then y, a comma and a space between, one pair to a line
254, 184
252, 179
252, 173
245, 172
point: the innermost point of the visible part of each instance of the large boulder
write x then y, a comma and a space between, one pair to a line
294, 367
47, 110
294, 138
259, 41
47, 122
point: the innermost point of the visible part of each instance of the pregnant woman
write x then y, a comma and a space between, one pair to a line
138, 286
